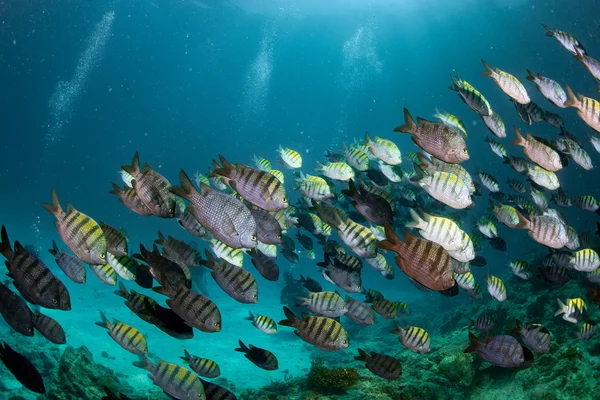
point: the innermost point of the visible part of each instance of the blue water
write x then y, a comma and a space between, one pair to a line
184, 81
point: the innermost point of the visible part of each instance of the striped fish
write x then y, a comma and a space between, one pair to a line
443, 231
540, 176
216, 392
505, 214
545, 229
196, 309
327, 304
202, 366
465, 281
324, 333
388, 273
32, 278
519, 164
178, 251
238, 283
265, 265
176, 381
471, 96
577, 154
495, 124
139, 304
15, 311
503, 351
262, 323
452, 121
476, 293
486, 226
508, 83
446, 188
356, 158
124, 266
337, 170
258, 187
413, 338
588, 203
517, 185
561, 199
585, 260
483, 323
389, 309
359, 312
574, 311
278, 174
554, 120
269, 250
358, 237
441, 166
126, 336
163, 269
188, 222
587, 330
535, 336
387, 367
49, 328
567, 40
70, 265
392, 172
381, 192
126, 177
497, 147
535, 112
385, 150
540, 153
260, 357
496, 287
592, 65
116, 240
549, 88
290, 159
130, 199
588, 109
227, 253
80, 233
423, 260
262, 163
521, 269
488, 181
105, 273
378, 262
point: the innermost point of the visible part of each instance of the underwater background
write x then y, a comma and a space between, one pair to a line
84, 85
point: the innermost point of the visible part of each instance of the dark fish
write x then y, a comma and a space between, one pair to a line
80, 233
287, 243
498, 243
478, 261
373, 207
188, 222
267, 266
346, 278
534, 336
152, 188
291, 256
325, 333
22, 369
216, 392
202, 366
179, 252
130, 199
143, 277
196, 309
372, 294
305, 241
260, 357
419, 286
260, 188
15, 311
310, 284
33, 278
451, 292
139, 304
237, 282
425, 261
70, 265
554, 274
306, 221
377, 177
503, 351
388, 309
116, 240
268, 230
227, 218
359, 312
387, 367
483, 323
523, 114
161, 267
49, 328
111, 396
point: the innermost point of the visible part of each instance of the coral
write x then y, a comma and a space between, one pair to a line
457, 368
323, 379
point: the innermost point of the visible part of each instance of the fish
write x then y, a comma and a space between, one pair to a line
357, 158
291, 256
392, 172
216, 392
196, 309
488, 181
549, 88
585, 260
178, 251
502, 351
202, 366
322, 332
498, 243
440, 230
554, 274
343, 276
446, 188
496, 287
227, 253
188, 222
162, 268
545, 229
544, 178
357, 237
80, 233
310, 284
517, 163
578, 154
152, 188
326, 304
129, 198
574, 311
588, 203
508, 83
105, 273
413, 338
305, 241
359, 312
505, 214
483, 323
262, 323
495, 124
110, 395
227, 218
262, 358
258, 187
555, 120
471, 96
387, 308
374, 208
262, 163
523, 113
465, 280
32, 278
70, 265
475, 293
536, 337
49, 328
587, 330
452, 121
436, 139
116, 240
238, 283
386, 367
126, 267
314, 187
592, 65
497, 147
517, 185
588, 109
126, 336
385, 150
425, 261
290, 159
339, 171
265, 265
521, 269
268, 230
567, 40
16, 312
538, 152
22, 369
176, 381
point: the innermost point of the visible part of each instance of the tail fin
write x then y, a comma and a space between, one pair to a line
572, 100
166, 288
519, 328
105, 323
531, 77
475, 344
362, 356
162, 240
524, 223
210, 260
409, 124
291, 319
5, 248
419, 173
367, 138
186, 188
519, 140
488, 70
416, 222
250, 316
561, 307
226, 170
351, 191
116, 189
549, 31
242, 348
397, 329
187, 357
144, 363
54, 208
55, 251
392, 241
134, 168
122, 291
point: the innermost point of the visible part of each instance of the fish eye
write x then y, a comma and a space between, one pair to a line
253, 238
217, 325
29, 330
278, 237
255, 296
285, 200
102, 256
200, 396
171, 211
464, 150
345, 341
54, 301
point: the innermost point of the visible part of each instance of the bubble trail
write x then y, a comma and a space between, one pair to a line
62, 102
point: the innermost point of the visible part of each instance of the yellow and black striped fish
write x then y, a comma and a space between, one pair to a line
125, 266
116, 240
262, 163
415, 339
263, 323
126, 336
141, 305
49, 328
291, 159
328, 304
471, 96
176, 381
387, 367
105, 273
588, 109
202, 366
325, 333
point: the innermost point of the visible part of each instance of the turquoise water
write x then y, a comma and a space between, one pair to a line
87, 84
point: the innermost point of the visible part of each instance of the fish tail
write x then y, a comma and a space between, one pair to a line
549, 31
531, 77
397, 329
572, 100
209, 262
104, 323
518, 329
392, 241
187, 357
166, 288
161, 239
437, 114
362, 356
144, 363
475, 344
367, 138
524, 223
488, 70
226, 170
5, 248
186, 188
291, 319
116, 189
351, 191
519, 140
561, 307
54, 250
122, 291
134, 168
409, 124
54, 208
243, 348
416, 222
250, 316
